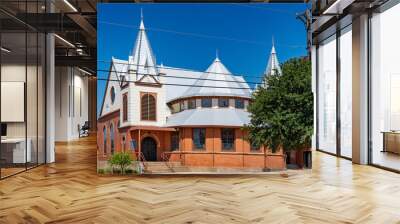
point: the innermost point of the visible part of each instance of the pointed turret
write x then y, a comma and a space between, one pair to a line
273, 67
217, 67
217, 80
142, 61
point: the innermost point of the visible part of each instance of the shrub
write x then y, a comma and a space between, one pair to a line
107, 170
129, 171
100, 171
120, 159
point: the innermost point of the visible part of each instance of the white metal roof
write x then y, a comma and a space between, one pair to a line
142, 59
184, 78
209, 117
179, 82
217, 81
120, 66
273, 66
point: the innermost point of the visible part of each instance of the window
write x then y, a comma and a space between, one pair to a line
112, 138
206, 102
345, 83
148, 104
385, 88
199, 138
175, 108
105, 140
192, 104
175, 141
125, 107
182, 105
239, 103
227, 138
123, 142
327, 95
223, 102
112, 94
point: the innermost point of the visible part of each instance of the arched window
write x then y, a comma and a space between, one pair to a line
125, 107
112, 93
112, 138
105, 140
123, 142
148, 107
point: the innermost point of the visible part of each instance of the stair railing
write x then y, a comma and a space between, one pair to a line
165, 156
141, 159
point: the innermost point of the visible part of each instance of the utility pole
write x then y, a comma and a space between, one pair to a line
306, 18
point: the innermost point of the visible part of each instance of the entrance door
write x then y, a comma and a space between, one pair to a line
149, 149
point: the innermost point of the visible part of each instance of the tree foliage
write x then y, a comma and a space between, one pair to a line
121, 159
282, 112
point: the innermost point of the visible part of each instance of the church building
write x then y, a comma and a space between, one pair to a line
163, 113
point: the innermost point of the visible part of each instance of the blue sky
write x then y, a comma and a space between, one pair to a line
187, 35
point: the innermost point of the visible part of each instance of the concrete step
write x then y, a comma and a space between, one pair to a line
163, 167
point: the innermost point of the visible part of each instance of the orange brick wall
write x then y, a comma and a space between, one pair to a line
104, 151
214, 156
211, 156
162, 138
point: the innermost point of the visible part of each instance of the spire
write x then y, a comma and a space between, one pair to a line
273, 67
273, 46
142, 59
216, 55
141, 19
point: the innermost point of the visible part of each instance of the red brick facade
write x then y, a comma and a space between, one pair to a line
241, 156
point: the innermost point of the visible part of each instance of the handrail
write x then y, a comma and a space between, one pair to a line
165, 156
141, 159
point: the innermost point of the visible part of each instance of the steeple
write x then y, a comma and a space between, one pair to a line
273, 67
142, 60
141, 20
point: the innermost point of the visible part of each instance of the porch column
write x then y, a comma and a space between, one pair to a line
139, 146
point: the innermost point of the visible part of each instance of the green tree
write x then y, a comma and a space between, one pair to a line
121, 159
282, 112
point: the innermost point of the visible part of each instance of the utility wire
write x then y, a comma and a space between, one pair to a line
179, 69
199, 35
176, 84
287, 12
182, 77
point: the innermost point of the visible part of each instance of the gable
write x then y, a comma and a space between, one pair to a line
112, 94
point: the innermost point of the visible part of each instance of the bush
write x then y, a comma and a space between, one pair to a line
129, 171
122, 160
100, 171
107, 170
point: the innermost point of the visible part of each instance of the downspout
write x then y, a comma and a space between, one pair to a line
265, 157
213, 154
139, 146
243, 145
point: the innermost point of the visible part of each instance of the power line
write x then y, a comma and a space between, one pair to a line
180, 77
267, 9
180, 69
177, 84
200, 35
